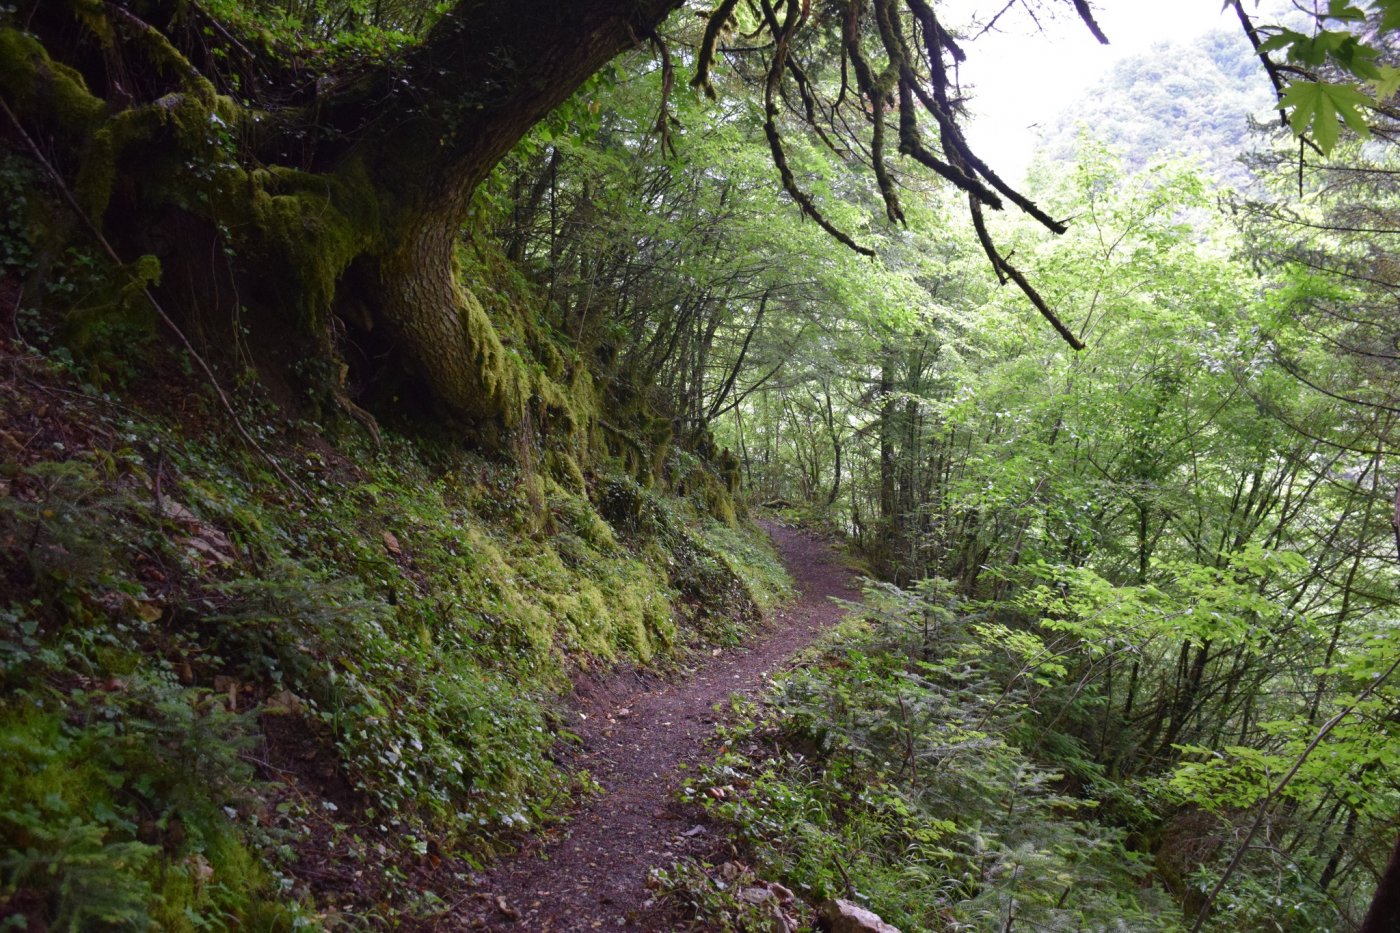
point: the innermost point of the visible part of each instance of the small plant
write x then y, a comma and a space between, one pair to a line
728, 897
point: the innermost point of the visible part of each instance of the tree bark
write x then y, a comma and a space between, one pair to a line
1384, 915
411, 138
486, 73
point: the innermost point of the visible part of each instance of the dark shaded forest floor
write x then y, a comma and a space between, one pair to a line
591, 873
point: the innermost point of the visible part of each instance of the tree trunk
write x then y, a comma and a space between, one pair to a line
486, 74
1384, 915
410, 138
889, 507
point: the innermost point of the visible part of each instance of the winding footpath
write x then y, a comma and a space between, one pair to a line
636, 735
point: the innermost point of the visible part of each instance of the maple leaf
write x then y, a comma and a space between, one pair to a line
1325, 107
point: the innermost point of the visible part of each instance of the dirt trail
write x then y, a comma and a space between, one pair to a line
591, 875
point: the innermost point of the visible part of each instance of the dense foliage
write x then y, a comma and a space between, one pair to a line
1156, 577
357, 392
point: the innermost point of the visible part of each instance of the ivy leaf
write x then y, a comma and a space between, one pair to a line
1320, 105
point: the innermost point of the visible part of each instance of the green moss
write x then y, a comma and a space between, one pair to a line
606, 607
47, 93
578, 515
750, 557
43, 764
224, 879
529, 367
305, 228
565, 470
92, 15
312, 227
704, 484
503, 374
76, 826
568, 409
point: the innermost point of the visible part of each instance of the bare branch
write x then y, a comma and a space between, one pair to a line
1082, 8
1006, 270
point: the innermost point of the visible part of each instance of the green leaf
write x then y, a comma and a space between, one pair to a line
1357, 58
1319, 105
1284, 38
1390, 14
1387, 84
1313, 50
1341, 9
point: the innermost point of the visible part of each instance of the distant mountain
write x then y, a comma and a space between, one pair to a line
1179, 98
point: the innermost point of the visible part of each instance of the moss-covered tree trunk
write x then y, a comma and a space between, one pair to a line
386, 187
435, 320
484, 76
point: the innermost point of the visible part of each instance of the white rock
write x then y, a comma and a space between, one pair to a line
845, 917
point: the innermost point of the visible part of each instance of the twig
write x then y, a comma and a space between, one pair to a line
850, 888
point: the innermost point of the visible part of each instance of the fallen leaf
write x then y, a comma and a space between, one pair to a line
283, 701
147, 611
169, 508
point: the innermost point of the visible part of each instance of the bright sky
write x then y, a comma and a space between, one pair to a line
1019, 77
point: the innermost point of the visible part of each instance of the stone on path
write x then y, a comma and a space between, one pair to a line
845, 917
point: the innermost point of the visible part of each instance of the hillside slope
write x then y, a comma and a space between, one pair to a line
261, 690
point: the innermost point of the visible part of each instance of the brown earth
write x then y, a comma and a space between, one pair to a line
636, 735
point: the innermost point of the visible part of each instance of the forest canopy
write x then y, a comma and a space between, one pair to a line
354, 137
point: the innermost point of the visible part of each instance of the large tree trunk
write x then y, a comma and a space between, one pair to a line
482, 78
1384, 915
376, 172
439, 326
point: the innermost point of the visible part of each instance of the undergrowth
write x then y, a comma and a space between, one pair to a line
884, 772
216, 691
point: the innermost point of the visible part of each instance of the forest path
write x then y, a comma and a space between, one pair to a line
591, 873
